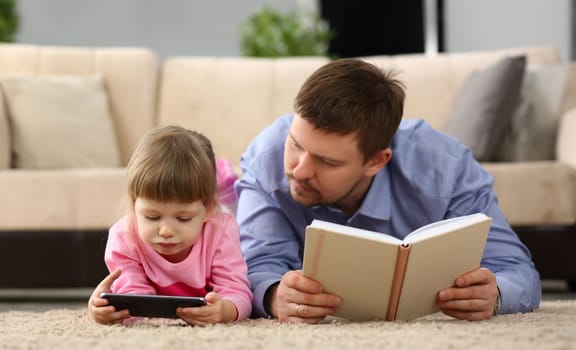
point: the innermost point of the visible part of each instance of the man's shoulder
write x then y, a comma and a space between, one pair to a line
416, 135
429, 160
268, 145
271, 138
263, 159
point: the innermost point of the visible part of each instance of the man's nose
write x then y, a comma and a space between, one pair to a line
305, 167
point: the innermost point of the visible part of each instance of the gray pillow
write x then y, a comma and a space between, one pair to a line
531, 134
485, 104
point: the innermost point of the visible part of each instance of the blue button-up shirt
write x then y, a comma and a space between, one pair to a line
430, 177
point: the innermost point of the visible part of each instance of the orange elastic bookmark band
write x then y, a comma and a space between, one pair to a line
319, 246
397, 280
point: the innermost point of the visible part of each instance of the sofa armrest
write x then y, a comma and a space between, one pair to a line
566, 142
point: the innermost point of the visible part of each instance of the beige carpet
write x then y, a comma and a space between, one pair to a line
553, 326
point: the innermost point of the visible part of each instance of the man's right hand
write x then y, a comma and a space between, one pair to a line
300, 299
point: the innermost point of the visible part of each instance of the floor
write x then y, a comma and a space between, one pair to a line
47, 299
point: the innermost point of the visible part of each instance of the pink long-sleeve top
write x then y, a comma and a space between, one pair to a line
215, 263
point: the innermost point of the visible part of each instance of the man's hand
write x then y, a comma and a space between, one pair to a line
472, 298
300, 299
98, 307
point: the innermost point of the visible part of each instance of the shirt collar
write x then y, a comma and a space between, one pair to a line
376, 204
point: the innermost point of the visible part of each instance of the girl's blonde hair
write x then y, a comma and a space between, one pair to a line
173, 164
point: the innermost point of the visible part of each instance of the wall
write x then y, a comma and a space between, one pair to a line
171, 27
195, 27
492, 24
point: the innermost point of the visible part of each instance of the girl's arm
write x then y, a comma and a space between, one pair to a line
229, 272
122, 252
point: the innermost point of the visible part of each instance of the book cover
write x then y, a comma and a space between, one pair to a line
381, 277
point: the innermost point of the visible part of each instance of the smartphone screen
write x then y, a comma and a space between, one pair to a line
151, 305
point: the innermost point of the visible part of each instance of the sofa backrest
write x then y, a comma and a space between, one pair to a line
233, 99
130, 76
228, 99
433, 82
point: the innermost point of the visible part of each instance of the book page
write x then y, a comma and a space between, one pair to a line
435, 264
356, 232
359, 270
443, 226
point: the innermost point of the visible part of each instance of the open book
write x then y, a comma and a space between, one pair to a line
381, 277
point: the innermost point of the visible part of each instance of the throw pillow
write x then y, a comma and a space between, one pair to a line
532, 132
484, 105
60, 122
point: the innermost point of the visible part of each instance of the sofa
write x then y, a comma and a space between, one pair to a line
54, 221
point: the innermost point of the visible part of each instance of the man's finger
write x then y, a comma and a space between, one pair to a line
479, 276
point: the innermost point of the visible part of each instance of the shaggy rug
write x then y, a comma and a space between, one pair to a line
552, 326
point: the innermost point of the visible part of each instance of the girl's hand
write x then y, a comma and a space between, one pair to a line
98, 307
216, 310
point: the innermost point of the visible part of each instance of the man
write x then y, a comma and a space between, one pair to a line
345, 156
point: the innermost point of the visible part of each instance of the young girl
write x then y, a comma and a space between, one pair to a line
175, 240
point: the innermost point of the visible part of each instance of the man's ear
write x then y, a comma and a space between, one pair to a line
378, 161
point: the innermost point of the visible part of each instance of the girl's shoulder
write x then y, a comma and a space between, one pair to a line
222, 218
221, 223
124, 232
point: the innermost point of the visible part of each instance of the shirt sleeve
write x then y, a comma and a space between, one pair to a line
229, 271
270, 244
505, 255
269, 223
121, 254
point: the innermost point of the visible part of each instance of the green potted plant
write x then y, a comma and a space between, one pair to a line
270, 33
8, 20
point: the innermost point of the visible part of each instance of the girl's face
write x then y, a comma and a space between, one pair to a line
170, 228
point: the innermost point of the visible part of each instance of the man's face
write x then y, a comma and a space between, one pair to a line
325, 168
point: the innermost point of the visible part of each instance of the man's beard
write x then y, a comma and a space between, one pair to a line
338, 203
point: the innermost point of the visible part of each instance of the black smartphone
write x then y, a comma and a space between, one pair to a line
151, 305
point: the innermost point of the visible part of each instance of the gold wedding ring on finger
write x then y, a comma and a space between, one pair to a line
298, 309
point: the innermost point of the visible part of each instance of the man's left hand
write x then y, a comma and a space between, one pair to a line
473, 298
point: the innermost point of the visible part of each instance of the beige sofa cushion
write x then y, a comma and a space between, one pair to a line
60, 122
535, 193
71, 199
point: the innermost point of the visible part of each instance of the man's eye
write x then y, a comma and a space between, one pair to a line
327, 163
296, 146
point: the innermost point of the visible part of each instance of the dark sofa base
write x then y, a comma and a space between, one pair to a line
553, 250
75, 259
52, 259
